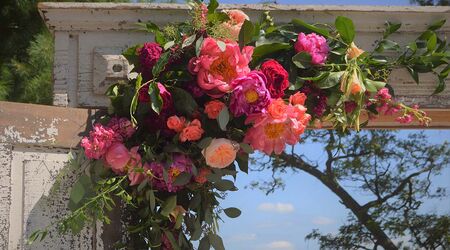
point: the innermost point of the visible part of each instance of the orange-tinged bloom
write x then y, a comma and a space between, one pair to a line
177, 211
213, 108
234, 25
220, 153
298, 98
355, 87
192, 132
176, 123
202, 174
354, 51
277, 109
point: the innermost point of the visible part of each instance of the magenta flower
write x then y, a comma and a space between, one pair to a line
250, 94
122, 127
313, 44
98, 142
117, 157
180, 164
149, 54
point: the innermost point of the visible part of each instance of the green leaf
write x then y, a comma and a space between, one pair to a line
386, 44
232, 212
161, 64
346, 29
79, 189
198, 46
440, 87
391, 28
149, 27
246, 33
246, 147
374, 86
155, 97
131, 54
223, 118
242, 160
212, 6
159, 38
142, 185
169, 205
432, 42
184, 102
437, 25
318, 77
224, 185
188, 41
266, 49
216, 242
301, 23
413, 74
182, 179
302, 60
169, 44
152, 199
204, 244
204, 142
222, 46
172, 240
331, 80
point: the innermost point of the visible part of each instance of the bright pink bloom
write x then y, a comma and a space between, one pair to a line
250, 94
350, 106
136, 162
149, 54
216, 69
100, 139
404, 119
117, 157
383, 94
272, 130
313, 44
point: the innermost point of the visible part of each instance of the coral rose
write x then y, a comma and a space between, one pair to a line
298, 98
192, 132
313, 44
278, 109
176, 123
234, 25
220, 153
277, 78
213, 108
216, 69
117, 157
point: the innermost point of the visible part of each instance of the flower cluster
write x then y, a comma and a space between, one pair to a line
207, 95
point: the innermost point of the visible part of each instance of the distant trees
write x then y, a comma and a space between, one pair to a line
431, 2
393, 172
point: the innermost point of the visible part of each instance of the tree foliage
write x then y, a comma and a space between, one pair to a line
431, 2
393, 171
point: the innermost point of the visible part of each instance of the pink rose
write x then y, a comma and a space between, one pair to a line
234, 25
313, 44
216, 69
117, 157
220, 153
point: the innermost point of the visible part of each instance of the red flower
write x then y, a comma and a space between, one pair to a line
149, 54
277, 78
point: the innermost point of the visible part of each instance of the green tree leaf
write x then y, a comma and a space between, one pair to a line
346, 29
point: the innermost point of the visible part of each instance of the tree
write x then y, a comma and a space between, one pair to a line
394, 171
431, 2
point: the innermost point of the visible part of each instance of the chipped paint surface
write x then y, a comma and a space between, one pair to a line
44, 133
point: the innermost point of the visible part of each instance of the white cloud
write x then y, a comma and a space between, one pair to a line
322, 220
243, 237
281, 244
276, 207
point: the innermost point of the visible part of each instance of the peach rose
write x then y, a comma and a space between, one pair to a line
220, 153
117, 157
192, 132
176, 123
203, 173
298, 98
353, 51
213, 108
278, 109
234, 25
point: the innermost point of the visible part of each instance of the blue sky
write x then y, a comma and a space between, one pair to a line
280, 221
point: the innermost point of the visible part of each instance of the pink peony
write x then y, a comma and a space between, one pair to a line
117, 157
313, 44
100, 139
272, 130
149, 54
250, 94
180, 164
234, 25
216, 69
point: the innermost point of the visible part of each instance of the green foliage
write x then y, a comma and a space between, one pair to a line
431, 2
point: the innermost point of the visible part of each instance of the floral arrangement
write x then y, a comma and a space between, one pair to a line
209, 92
